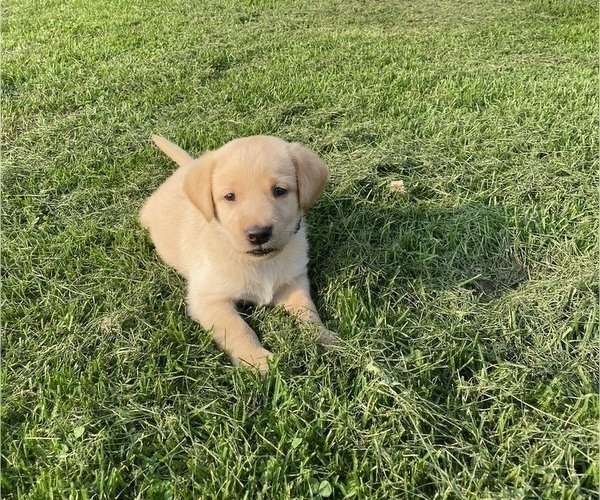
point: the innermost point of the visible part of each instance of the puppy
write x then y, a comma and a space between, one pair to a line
230, 222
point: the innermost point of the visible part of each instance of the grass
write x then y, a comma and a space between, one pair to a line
468, 304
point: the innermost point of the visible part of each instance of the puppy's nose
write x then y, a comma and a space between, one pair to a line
257, 235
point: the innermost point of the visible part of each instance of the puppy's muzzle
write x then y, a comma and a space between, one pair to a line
259, 235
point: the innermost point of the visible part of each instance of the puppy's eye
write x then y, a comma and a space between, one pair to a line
279, 191
229, 197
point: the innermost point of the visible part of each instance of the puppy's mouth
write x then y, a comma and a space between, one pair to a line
261, 252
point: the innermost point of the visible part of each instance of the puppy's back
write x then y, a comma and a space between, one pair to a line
166, 216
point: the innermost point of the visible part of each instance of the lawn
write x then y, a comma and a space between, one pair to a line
467, 301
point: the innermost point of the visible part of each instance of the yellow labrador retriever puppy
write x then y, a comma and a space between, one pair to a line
230, 222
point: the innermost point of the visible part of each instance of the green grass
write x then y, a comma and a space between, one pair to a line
468, 304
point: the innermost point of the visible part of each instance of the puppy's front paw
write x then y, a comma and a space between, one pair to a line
327, 338
256, 358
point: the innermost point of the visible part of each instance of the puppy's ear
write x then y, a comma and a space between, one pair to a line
197, 185
311, 172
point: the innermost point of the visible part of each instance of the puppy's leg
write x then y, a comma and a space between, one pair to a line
230, 331
295, 298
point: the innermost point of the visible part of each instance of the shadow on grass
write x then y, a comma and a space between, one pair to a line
385, 240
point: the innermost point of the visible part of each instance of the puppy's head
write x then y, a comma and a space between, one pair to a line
256, 188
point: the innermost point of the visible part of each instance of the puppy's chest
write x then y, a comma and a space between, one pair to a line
259, 286
252, 282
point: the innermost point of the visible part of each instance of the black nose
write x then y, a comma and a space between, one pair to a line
259, 235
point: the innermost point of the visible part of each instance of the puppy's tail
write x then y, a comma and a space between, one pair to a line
172, 150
